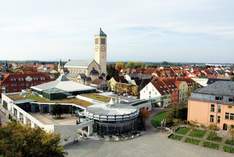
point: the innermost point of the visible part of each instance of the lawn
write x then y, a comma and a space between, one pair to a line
228, 149
198, 133
192, 141
182, 130
175, 137
211, 145
214, 137
231, 142
156, 120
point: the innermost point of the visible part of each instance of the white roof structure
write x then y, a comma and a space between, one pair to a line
111, 112
78, 64
201, 81
64, 84
113, 109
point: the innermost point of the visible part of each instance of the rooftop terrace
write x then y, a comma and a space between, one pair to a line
48, 119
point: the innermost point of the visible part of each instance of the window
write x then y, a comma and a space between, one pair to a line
232, 116
211, 118
218, 98
218, 119
230, 99
219, 108
212, 108
226, 115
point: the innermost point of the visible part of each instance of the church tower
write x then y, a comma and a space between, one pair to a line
100, 50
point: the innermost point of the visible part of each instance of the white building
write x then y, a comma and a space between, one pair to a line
67, 127
156, 93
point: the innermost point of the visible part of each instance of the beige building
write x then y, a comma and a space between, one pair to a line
96, 66
213, 104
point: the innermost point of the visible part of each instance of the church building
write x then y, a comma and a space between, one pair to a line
91, 68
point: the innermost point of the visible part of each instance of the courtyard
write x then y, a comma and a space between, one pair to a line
152, 144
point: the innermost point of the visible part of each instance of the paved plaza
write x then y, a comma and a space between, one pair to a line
150, 145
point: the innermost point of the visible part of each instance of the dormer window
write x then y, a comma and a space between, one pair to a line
231, 99
218, 98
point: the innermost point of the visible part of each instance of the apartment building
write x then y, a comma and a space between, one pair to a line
213, 104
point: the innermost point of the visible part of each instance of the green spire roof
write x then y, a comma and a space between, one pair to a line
102, 33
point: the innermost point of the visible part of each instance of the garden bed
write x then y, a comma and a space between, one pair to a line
192, 141
197, 133
175, 137
211, 145
228, 149
182, 130
214, 137
230, 142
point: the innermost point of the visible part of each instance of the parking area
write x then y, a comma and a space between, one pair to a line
153, 144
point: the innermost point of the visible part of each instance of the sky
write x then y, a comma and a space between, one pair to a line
137, 30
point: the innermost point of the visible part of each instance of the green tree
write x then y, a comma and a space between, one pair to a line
135, 65
169, 117
23, 141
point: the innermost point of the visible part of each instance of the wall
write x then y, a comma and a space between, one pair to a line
198, 111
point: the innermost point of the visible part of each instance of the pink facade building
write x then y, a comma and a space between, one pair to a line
213, 104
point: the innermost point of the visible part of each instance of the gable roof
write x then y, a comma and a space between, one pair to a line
78, 63
160, 86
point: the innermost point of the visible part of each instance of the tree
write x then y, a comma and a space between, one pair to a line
213, 128
231, 133
111, 71
135, 65
232, 78
119, 66
23, 141
169, 117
